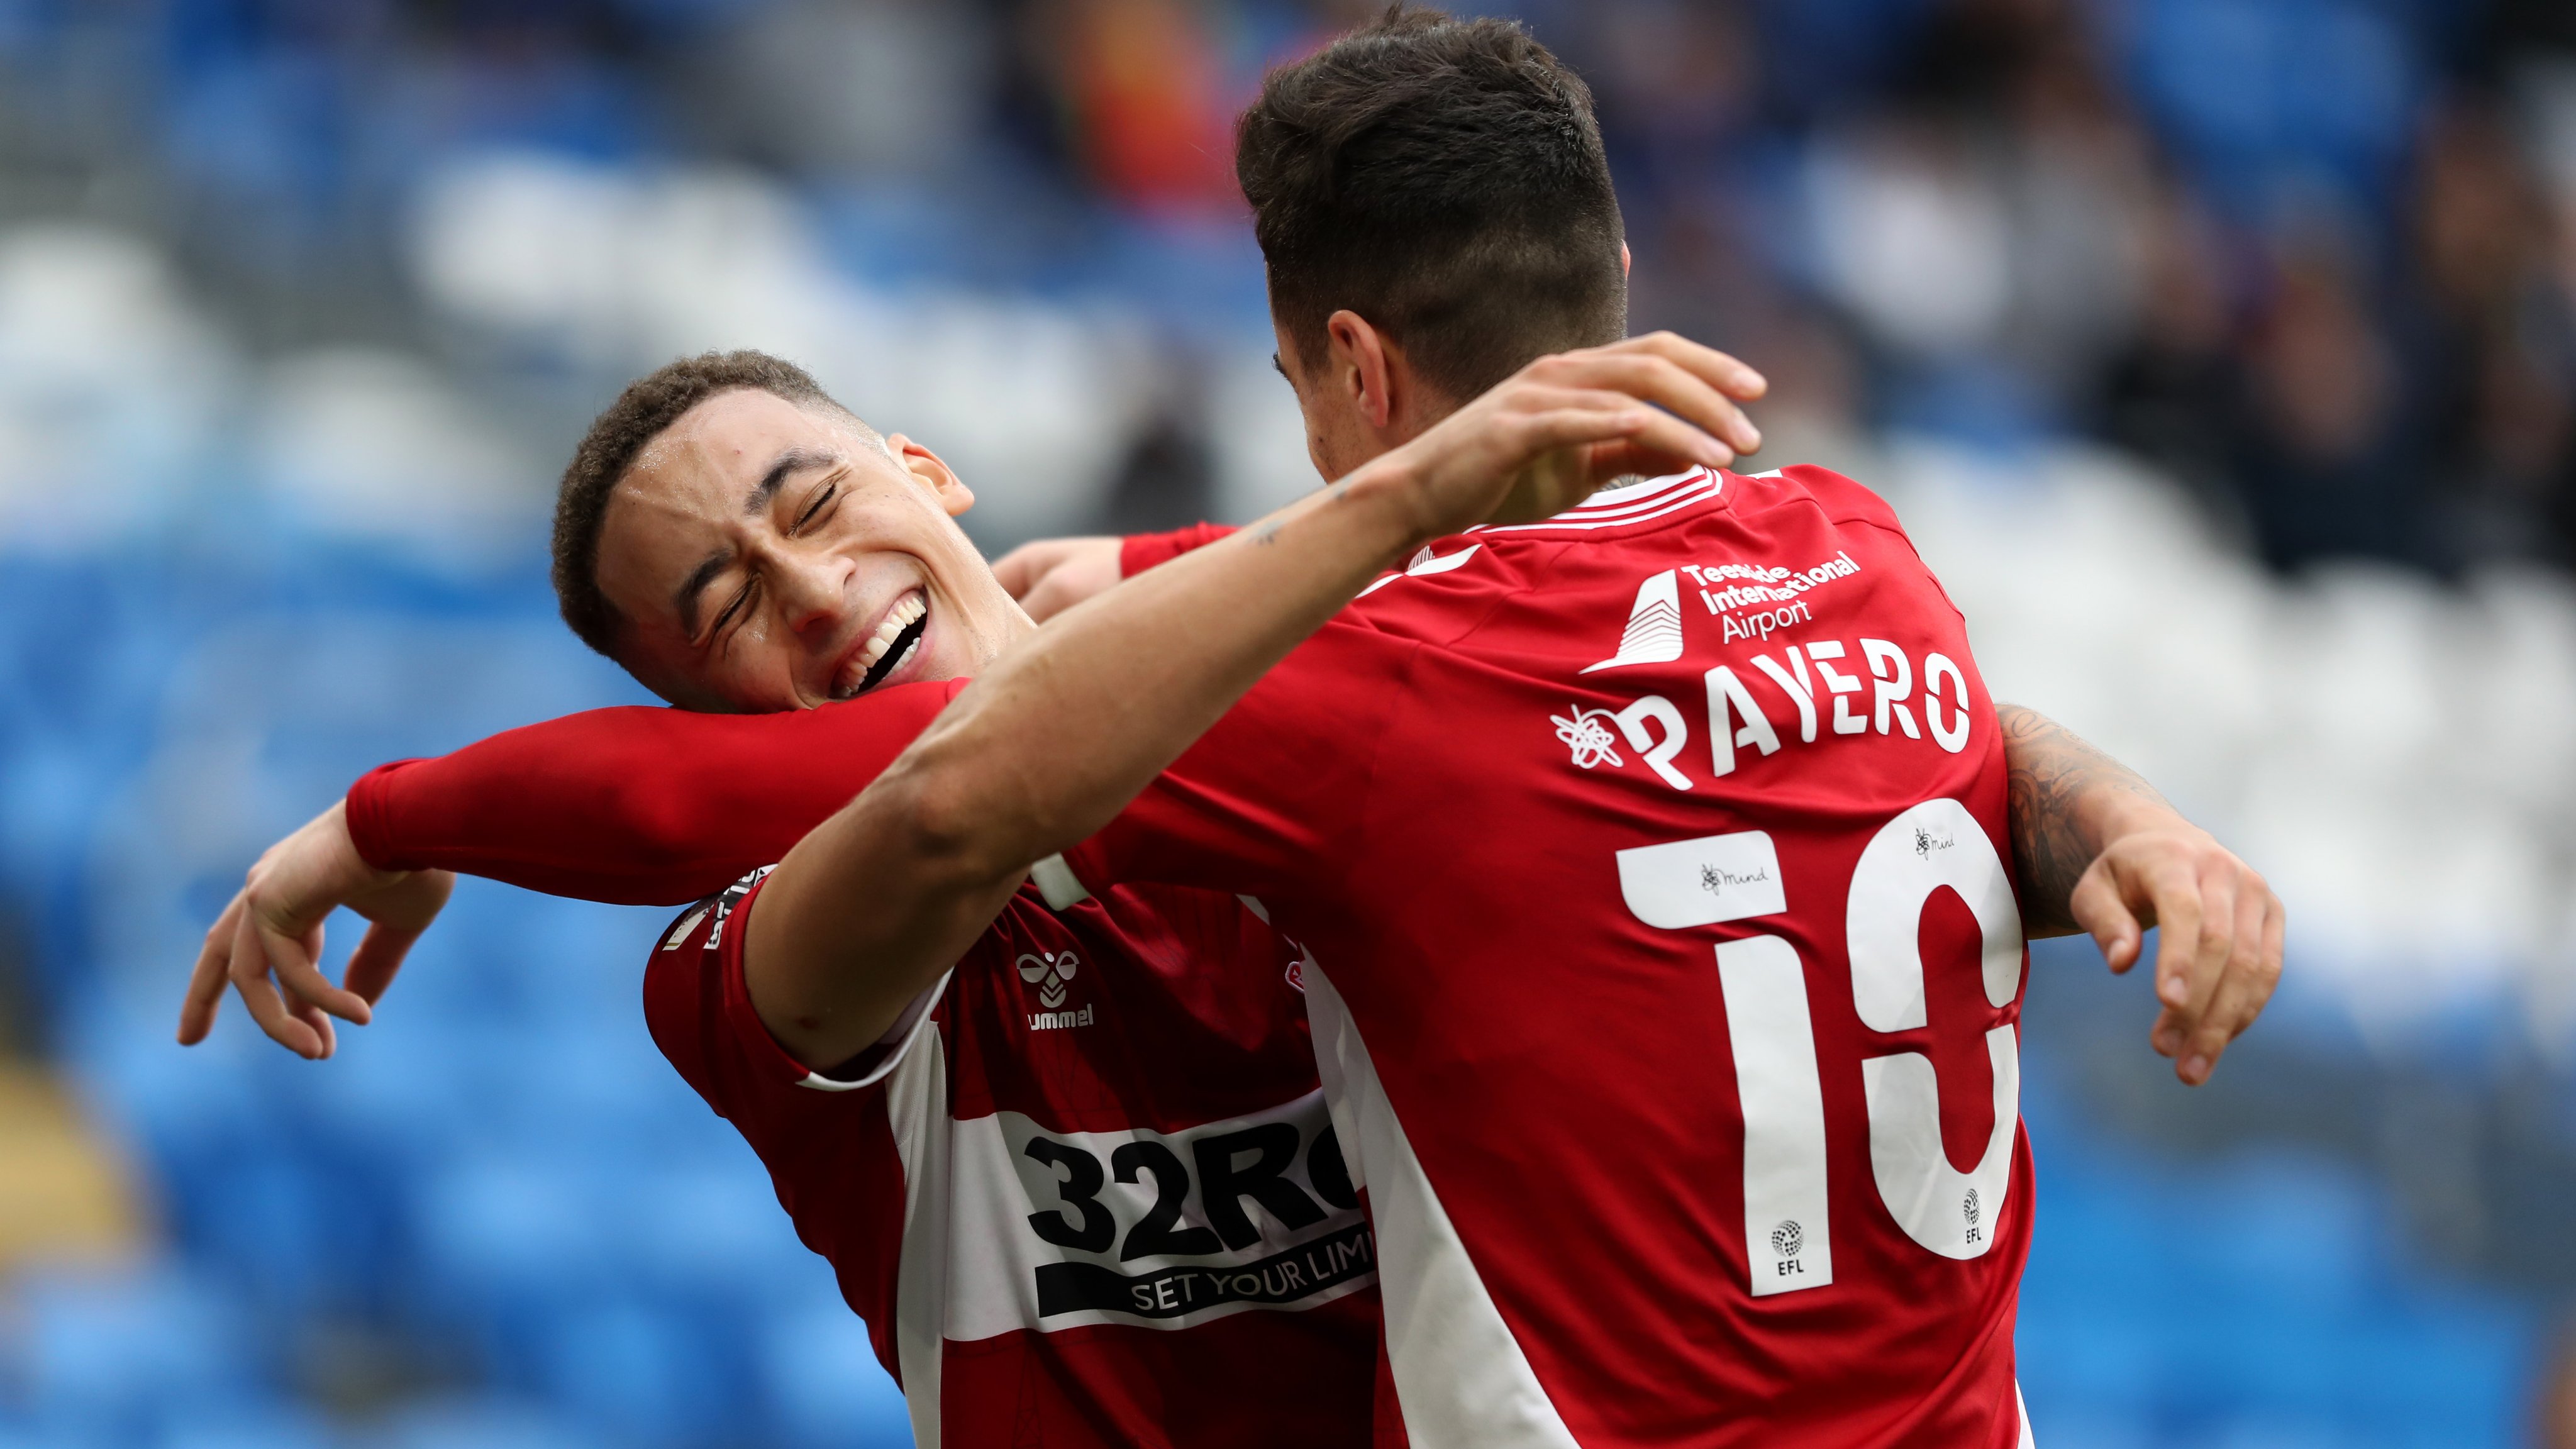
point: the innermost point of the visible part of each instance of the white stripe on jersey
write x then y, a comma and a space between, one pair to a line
1460, 1376
1629, 495
916, 1105
1669, 495
1609, 508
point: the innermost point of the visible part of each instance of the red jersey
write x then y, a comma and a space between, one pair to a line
1665, 968
1087, 1192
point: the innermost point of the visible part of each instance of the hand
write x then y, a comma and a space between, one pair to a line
1543, 439
274, 928
1051, 575
2219, 955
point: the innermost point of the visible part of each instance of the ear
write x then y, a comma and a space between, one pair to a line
1625, 261
1361, 364
933, 472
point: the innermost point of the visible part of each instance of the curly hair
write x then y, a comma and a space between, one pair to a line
624, 429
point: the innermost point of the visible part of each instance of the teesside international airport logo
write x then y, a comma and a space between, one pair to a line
1750, 601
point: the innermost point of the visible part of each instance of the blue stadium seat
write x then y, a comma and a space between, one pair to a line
481, 1422
645, 1375
822, 1385
111, 1359
262, 1426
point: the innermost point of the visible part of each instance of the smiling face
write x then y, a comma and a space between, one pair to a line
765, 556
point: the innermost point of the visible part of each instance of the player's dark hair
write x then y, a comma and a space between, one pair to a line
1443, 178
649, 404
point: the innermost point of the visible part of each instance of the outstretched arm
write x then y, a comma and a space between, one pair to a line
2097, 849
1048, 744
628, 805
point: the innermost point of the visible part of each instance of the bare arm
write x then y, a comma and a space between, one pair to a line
2097, 849
2068, 800
1051, 575
1053, 740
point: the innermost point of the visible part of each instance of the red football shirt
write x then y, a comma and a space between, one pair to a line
1665, 968
1086, 1193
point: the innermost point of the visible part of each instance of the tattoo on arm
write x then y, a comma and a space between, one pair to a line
2051, 773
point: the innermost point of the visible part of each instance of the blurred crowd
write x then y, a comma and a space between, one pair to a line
2220, 354
2313, 257
2317, 260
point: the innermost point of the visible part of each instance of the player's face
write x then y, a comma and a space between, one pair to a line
767, 556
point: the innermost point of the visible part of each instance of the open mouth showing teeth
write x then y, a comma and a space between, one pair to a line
895, 641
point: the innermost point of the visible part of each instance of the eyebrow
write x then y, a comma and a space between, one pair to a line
794, 460
684, 599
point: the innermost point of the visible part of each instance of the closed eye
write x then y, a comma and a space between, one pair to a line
822, 496
732, 610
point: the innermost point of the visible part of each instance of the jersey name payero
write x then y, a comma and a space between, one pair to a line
1800, 692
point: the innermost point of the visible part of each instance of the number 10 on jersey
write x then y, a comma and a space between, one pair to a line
1788, 1228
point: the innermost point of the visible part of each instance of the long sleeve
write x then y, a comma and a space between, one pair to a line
636, 805
1141, 551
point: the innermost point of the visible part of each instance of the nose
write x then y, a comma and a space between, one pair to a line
812, 592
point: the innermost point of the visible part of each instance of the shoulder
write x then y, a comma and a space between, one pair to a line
1842, 499
697, 1004
684, 996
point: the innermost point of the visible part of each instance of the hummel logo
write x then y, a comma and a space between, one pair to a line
1053, 969
1654, 633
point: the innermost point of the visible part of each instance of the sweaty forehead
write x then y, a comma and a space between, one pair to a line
728, 440
683, 499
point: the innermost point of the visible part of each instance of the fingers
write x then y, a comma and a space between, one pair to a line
2219, 930
1674, 375
2099, 910
206, 982
1728, 374
1022, 568
1054, 574
249, 972
1556, 416
2253, 971
1051, 596
320, 1023
379, 955
295, 960
2217, 960
2183, 982
1618, 444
